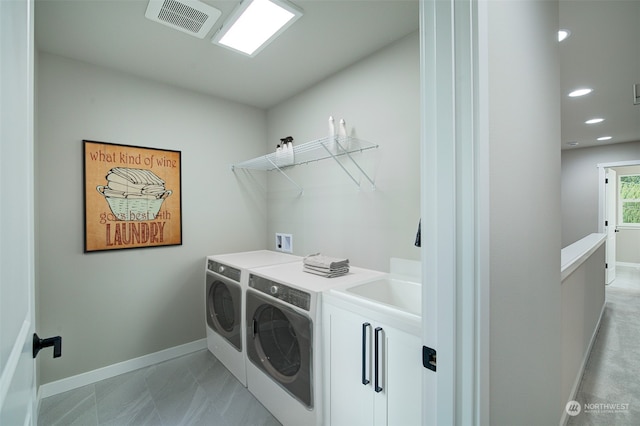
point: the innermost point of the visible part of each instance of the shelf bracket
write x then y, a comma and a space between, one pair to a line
339, 163
373, 185
301, 189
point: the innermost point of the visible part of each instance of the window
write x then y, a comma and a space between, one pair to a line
629, 200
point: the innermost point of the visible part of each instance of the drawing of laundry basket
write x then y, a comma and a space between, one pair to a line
133, 208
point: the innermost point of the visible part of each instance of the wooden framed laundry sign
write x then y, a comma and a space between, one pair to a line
132, 197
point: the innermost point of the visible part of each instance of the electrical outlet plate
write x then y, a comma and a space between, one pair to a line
284, 242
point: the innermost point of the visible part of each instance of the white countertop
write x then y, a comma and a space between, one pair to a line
253, 259
293, 274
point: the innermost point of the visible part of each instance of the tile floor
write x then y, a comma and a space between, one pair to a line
195, 389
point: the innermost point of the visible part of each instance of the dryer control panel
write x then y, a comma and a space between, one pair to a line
224, 270
290, 295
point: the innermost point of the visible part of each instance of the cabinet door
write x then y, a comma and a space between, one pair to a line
351, 402
403, 378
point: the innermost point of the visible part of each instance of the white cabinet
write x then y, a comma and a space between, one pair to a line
373, 372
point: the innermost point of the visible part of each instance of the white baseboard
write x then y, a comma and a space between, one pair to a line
574, 390
73, 382
631, 264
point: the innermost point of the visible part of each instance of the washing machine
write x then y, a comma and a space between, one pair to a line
284, 337
226, 280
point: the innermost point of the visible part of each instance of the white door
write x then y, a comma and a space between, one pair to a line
17, 378
350, 395
403, 387
611, 220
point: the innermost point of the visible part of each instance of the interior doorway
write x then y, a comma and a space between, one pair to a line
623, 242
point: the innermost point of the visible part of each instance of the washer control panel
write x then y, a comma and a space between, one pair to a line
224, 270
290, 295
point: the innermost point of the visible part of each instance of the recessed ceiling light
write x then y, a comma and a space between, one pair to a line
594, 121
604, 138
580, 92
255, 23
572, 143
563, 34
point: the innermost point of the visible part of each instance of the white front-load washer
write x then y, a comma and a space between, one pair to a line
283, 339
225, 284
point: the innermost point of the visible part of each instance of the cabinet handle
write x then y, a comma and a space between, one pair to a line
364, 353
378, 388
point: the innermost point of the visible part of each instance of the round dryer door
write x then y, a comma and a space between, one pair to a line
279, 343
224, 303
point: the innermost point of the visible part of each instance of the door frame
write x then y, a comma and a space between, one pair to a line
455, 211
601, 188
602, 201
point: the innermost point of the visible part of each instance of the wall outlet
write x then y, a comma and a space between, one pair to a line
284, 242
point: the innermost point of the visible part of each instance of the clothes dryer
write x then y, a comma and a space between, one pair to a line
226, 280
283, 339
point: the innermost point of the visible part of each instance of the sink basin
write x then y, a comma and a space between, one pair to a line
403, 295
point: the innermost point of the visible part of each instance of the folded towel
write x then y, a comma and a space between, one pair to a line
135, 176
133, 183
326, 274
321, 261
343, 269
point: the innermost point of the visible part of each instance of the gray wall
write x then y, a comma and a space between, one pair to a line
114, 306
379, 99
583, 297
118, 305
580, 186
628, 246
524, 161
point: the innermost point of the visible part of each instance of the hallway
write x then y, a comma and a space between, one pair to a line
609, 393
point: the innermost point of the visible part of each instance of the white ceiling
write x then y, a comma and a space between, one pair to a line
330, 36
603, 52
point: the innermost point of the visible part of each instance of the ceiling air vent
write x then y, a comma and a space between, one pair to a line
189, 16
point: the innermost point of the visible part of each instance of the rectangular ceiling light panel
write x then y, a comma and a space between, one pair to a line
255, 24
189, 16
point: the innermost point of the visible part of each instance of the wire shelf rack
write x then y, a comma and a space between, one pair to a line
316, 150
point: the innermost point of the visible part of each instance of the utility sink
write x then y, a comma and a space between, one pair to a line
391, 298
400, 294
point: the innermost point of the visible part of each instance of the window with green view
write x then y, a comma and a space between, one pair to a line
629, 200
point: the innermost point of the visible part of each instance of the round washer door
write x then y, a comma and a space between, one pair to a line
224, 303
279, 342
